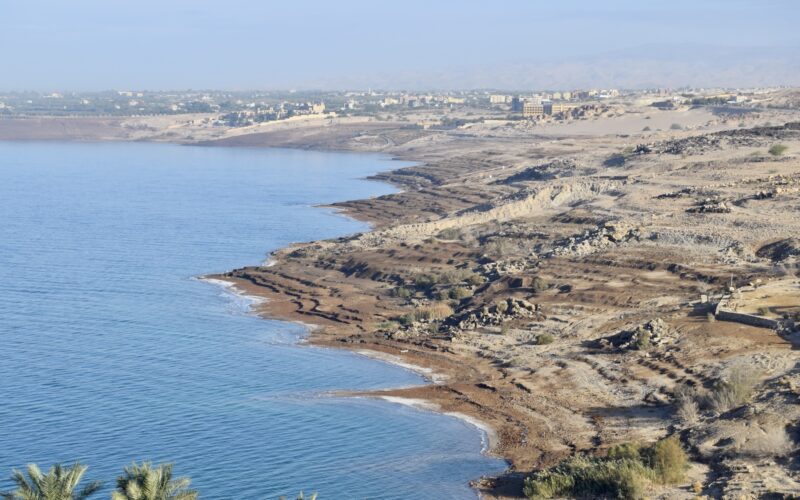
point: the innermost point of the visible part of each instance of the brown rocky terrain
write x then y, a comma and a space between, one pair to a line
566, 299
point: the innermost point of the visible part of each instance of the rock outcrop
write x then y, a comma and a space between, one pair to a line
652, 334
560, 167
710, 206
496, 314
608, 235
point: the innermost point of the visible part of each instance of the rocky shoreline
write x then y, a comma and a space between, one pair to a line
506, 283
561, 287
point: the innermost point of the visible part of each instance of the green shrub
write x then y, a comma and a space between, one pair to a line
544, 339
642, 342
629, 451
625, 473
476, 279
387, 326
434, 327
406, 319
425, 281
402, 292
778, 149
539, 284
676, 126
451, 277
582, 476
668, 459
460, 292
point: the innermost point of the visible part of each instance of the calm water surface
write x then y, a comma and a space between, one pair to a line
111, 350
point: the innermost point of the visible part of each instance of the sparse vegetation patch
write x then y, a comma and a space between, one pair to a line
778, 149
626, 472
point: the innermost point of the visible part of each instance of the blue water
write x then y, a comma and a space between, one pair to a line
111, 350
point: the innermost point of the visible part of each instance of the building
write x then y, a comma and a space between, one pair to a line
560, 107
531, 108
516, 104
499, 99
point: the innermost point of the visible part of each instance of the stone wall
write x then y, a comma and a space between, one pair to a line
723, 314
747, 319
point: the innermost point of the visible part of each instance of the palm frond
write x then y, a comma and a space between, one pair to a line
58, 484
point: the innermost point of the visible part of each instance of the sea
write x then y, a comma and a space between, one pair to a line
112, 350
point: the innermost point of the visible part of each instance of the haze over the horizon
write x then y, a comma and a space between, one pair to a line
305, 44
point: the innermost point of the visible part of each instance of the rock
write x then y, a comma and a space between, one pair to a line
500, 268
607, 235
560, 167
496, 314
710, 206
651, 334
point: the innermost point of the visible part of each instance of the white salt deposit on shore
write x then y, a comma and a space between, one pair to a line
488, 435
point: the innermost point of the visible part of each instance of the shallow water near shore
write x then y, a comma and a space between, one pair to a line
113, 351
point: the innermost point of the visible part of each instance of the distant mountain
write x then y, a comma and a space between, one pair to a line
641, 67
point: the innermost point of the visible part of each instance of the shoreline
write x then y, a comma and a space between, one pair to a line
488, 434
447, 402
617, 246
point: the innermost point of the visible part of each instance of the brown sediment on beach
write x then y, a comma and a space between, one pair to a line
560, 280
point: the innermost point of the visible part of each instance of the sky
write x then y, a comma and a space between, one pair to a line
329, 44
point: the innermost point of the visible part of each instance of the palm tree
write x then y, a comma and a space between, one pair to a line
145, 482
301, 496
58, 484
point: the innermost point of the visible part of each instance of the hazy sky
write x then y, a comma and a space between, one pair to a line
248, 44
